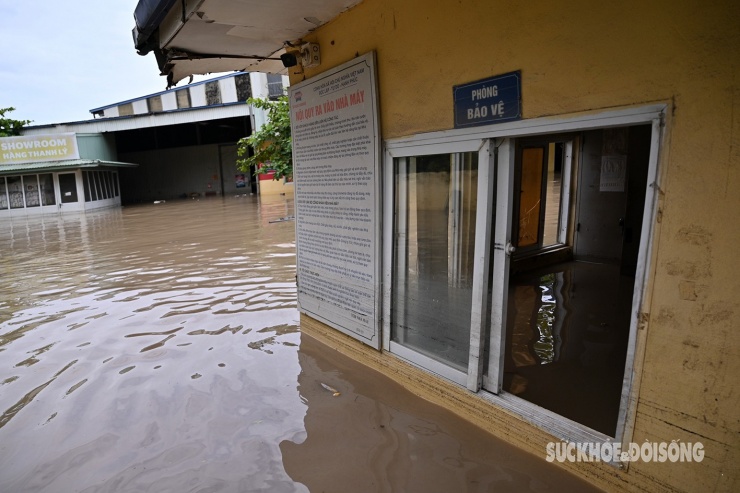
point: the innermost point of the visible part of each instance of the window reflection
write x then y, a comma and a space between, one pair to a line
3, 194
15, 192
435, 203
48, 197
31, 186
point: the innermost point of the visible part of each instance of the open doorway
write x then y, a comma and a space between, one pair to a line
576, 227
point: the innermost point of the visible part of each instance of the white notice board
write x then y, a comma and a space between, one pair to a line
336, 166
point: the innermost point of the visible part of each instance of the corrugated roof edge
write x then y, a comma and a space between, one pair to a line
16, 169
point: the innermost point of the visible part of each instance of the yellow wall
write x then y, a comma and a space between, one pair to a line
580, 56
276, 187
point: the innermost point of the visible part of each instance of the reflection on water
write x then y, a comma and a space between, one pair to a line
376, 437
568, 327
149, 348
156, 348
544, 346
435, 207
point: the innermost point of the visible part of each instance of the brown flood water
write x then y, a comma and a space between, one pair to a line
156, 348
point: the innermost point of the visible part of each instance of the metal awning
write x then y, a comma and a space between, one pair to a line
67, 165
208, 36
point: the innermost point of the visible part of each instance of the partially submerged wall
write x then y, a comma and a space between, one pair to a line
582, 58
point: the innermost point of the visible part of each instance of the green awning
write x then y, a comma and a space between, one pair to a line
68, 165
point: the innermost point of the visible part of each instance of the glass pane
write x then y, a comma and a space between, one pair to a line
94, 186
103, 183
275, 85
213, 93
435, 203
183, 98
48, 197
530, 196
552, 200
108, 186
244, 87
15, 192
31, 188
126, 109
98, 185
3, 194
86, 185
154, 104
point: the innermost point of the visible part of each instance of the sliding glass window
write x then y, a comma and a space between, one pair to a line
86, 186
48, 197
3, 194
31, 188
435, 207
15, 192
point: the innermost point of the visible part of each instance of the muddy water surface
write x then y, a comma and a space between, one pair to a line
156, 348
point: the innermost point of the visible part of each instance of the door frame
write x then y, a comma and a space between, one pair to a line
569, 141
79, 205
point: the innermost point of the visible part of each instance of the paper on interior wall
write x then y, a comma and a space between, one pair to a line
613, 173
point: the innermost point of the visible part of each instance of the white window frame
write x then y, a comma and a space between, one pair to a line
479, 139
565, 192
419, 359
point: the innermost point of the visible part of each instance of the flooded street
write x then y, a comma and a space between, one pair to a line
157, 348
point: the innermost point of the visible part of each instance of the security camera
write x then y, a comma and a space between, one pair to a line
289, 59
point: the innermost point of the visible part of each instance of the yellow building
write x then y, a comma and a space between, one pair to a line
524, 212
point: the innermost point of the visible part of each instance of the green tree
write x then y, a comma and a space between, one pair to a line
272, 143
8, 126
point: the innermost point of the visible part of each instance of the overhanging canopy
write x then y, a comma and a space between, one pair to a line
206, 36
69, 164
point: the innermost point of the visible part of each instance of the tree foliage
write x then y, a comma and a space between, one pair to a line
272, 143
8, 126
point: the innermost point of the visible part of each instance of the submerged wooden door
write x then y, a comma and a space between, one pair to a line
529, 230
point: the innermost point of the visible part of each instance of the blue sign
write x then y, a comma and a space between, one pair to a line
488, 101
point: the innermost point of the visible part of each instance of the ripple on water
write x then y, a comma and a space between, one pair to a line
124, 321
